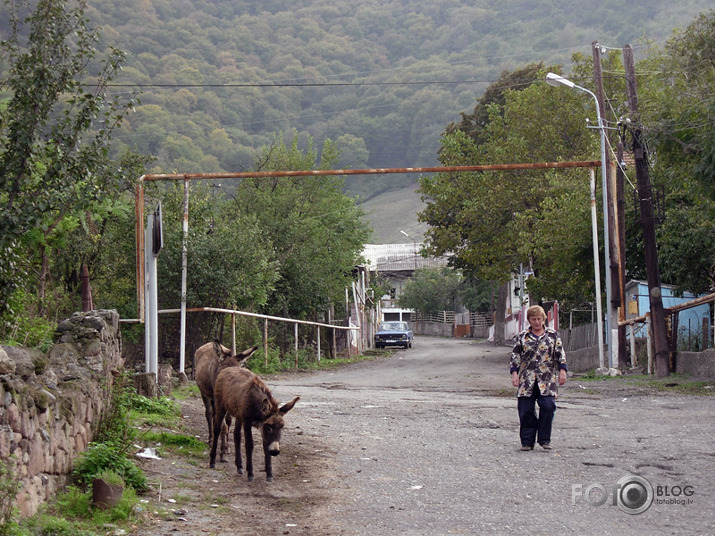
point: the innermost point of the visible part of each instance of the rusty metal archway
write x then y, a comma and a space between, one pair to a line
139, 197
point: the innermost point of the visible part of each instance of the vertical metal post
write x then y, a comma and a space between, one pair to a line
333, 344
140, 239
184, 273
612, 293
151, 329
649, 341
358, 316
265, 340
611, 320
295, 342
596, 268
557, 80
146, 302
233, 333
317, 336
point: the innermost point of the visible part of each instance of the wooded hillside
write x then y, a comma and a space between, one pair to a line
381, 78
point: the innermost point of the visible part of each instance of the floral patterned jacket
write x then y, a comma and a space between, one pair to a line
538, 361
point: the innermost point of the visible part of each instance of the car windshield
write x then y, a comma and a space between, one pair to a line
393, 326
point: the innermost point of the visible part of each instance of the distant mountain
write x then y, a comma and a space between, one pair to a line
380, 78
395, 211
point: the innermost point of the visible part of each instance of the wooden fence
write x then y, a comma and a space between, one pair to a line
580, 337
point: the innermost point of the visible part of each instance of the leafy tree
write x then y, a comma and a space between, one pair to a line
230, 259
677, 103
55, 128
687, 243
431, 290
102, 238
316, 232
478, 295
230, 256
493, 221
475, 123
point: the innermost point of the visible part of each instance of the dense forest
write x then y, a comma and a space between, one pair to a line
381, 79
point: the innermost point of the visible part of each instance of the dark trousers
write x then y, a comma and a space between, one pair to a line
534, 428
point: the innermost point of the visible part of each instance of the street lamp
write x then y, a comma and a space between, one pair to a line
556, 80
414, 249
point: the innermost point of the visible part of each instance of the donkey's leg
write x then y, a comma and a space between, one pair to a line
219, 414
269, 467
249, 449
209, 412
225, 426
237, 446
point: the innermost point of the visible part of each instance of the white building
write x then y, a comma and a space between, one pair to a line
396, 263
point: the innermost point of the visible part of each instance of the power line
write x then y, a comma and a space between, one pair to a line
304, 84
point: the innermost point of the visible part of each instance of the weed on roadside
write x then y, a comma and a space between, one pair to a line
674, 383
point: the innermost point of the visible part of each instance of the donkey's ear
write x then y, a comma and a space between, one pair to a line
248, 352
266, 406
285, 408
221, 352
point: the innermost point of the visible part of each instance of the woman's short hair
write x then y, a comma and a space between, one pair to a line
535, 310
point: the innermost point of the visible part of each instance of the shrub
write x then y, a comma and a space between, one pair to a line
9, 486
100, 457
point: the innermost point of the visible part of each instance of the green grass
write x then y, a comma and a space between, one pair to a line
328, 364
186, 391
674, 383
684, 386
72, 514
154, 412
175, 443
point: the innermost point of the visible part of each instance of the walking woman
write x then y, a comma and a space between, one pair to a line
538, 367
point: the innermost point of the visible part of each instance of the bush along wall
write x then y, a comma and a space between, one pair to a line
51, 403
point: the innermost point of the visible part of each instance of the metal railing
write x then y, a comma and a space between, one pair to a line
265, 319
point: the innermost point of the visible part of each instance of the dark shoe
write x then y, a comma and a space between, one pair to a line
545, 446
527, 447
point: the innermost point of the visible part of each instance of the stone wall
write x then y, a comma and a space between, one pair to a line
696, 364
51, 402
693, 364
435, 329
583, 359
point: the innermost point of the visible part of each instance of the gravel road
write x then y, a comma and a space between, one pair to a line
425, 442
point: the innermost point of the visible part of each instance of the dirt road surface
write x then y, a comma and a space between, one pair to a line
425, 442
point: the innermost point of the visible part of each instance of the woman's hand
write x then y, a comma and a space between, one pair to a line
562, 377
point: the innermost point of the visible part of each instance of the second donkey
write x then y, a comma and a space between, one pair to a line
243, 395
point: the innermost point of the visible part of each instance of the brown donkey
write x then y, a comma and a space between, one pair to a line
241, 394
209, 360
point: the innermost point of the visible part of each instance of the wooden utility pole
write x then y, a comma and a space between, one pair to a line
660, 340
623, 360
612, 265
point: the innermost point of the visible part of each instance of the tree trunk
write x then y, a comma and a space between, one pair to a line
499, 321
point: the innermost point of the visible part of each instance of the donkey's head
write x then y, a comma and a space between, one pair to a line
273, 427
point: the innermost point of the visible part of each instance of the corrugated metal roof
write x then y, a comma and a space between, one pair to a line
395, 257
